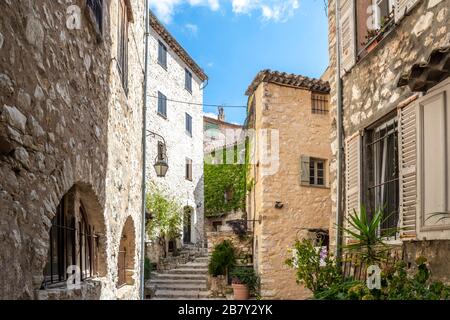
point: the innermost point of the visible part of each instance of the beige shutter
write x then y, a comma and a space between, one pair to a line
408, 168
352, 179
304, 170
402, 7
348, 41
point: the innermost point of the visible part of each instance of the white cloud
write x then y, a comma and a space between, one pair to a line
191, 28
270, 10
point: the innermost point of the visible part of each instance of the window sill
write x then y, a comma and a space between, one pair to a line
163, 66
190, 91
162, 116
315, 186
88, 289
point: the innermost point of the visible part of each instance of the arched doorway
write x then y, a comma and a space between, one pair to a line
76, 240
187, 225
127, 252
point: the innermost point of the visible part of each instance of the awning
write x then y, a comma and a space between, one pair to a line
423, 76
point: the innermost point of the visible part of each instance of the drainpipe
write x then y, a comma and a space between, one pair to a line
144, 149
339, 133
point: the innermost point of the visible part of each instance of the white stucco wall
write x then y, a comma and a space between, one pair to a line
180, 145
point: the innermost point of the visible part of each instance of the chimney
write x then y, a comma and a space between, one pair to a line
221, 116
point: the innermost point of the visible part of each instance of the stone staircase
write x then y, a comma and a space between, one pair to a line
187, 281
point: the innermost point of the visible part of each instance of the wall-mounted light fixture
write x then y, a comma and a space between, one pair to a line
161, 163
279, 205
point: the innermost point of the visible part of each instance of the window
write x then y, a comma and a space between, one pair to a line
162, 55
96, 9
313, 171
188, 169
188, 124
73, 242
188, 80
122, 44
319, 103
381, 173
162, 105
316, 172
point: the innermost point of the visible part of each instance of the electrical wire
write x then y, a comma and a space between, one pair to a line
198, 104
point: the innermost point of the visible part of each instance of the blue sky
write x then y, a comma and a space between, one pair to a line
232, 40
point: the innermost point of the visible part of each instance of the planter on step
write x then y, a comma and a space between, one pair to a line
241, 291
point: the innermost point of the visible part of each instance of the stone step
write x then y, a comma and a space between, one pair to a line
181, 287
195, 265
188, 271
175, 276
169, 294
158, 281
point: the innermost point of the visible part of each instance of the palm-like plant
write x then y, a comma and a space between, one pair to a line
369, 242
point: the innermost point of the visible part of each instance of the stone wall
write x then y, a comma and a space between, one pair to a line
66, 121
370, 87
301, 132
180, 145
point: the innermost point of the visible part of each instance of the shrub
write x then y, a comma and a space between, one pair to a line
147, 268
223, 258
307, 260
247, 276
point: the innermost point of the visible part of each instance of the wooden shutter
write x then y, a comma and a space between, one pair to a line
352, 179
348, 41
408, 169
402, 7
304, 171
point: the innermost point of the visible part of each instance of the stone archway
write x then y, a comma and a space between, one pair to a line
127, 254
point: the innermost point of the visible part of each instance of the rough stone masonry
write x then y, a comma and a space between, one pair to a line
66, 123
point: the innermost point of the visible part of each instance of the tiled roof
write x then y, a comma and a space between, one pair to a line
176, 47
286, 79
423, 76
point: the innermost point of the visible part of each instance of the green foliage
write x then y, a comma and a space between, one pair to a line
147, 268
368, 240
247, 276
167, 219
396, 284
223, 258
218, 180
306, 261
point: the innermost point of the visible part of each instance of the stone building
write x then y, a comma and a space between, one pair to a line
71, 102
289, 175
175, 119
395, 86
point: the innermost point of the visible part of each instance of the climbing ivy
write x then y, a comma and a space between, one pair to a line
222, 180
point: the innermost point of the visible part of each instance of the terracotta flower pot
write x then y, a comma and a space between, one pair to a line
241, 292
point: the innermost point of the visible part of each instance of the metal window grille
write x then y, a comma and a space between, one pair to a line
97, 9
319, 103
383, 175
67, 240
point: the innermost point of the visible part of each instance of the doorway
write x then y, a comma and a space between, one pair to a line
187, 225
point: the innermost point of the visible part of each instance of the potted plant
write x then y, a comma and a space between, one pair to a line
244, 282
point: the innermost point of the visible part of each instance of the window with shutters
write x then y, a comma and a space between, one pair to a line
188, 80
122, 44
188, 169
312, 171
381, 173
189, 124
433, 174
162, 105
162, 55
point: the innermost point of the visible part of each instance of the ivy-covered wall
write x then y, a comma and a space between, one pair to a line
221, 180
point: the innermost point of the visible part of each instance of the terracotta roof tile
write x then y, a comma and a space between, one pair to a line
287, 79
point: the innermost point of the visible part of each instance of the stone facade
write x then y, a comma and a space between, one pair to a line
67, 127
371, 91
281, 205
180, 145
